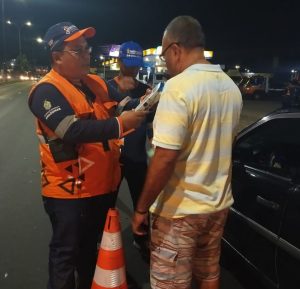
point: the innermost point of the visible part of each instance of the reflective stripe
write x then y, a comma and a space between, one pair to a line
41, 139
120, 123
115, 258
122, 104
64, 125
110, 278
111, 241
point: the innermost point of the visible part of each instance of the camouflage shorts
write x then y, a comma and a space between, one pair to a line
185, 247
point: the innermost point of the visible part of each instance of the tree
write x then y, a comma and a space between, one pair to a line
22, 64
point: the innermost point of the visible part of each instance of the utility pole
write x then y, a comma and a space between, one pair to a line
102, 57
19, 28
3, 58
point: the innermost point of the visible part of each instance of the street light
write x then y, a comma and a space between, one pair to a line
19, 28
39, 40
3, 39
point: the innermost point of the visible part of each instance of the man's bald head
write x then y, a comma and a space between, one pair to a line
187, 31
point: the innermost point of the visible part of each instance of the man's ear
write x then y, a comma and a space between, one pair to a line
56, 57
177, 51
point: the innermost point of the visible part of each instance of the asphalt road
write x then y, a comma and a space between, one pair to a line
24, 227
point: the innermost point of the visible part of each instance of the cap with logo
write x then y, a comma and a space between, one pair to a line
131, 54
62, 32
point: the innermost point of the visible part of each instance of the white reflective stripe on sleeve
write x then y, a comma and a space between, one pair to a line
109, 278
111, 241
64, 125
41, 139
119, 127
122, 104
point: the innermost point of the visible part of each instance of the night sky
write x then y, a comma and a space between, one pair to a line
260, 35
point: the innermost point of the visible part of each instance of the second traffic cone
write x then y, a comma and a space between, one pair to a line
110, 268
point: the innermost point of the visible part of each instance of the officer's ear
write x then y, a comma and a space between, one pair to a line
56, 57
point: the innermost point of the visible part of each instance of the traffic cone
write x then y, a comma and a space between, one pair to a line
110, 268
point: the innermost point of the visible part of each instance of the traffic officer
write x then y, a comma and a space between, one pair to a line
79, 153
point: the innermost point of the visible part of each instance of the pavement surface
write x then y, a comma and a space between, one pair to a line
24, 226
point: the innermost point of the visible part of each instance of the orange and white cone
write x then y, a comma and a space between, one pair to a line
110, 268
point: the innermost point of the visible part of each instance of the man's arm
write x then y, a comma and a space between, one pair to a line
160, 171
59, 116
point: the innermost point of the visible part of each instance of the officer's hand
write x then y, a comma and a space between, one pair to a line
132, 119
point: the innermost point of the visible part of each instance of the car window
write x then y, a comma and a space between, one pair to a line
257, 80
244, 81
273, 146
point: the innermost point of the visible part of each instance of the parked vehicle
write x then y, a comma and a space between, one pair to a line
260, 85
236, 76
236, 79
262, 236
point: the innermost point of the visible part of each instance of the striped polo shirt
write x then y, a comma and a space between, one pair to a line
198, 114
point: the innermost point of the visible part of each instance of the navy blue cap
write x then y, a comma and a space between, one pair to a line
131, 54
62, 32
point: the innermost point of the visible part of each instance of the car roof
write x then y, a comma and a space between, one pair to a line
289, 112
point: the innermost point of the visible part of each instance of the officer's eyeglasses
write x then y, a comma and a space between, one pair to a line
80, 51
162, 55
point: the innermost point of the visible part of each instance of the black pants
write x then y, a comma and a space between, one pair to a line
77, 227
135, 175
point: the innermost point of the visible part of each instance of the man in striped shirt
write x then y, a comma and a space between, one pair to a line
188, 185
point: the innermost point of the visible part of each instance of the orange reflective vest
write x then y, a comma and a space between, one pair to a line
96, 171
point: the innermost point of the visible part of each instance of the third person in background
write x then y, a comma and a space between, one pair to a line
133, 153
188, 185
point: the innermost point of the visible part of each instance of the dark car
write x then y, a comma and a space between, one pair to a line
261, 241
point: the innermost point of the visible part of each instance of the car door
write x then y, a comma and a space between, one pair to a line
289, 244
261, 186
289, 238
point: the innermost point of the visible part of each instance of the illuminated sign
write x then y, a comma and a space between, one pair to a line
158, 50
149, 51
208, 54
114, 50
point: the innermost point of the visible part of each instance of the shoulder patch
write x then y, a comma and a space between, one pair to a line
47, 104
